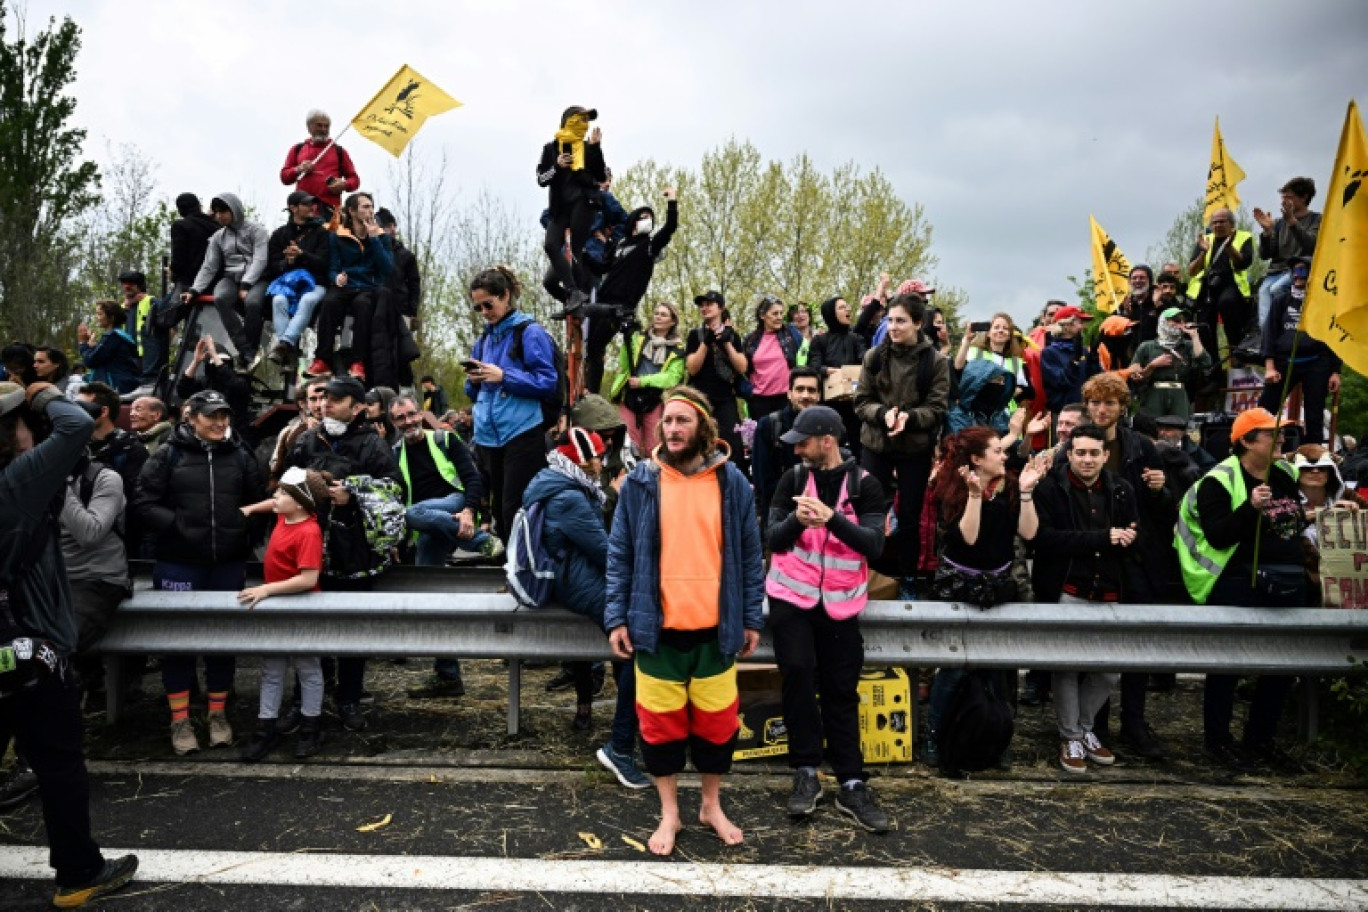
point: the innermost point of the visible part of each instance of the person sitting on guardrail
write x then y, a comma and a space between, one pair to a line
190, 495
1088, 519
294, 560
825, 523
1246, 510
685, 599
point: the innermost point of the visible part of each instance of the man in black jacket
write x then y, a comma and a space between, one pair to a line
771, 457
190, 236
572, 168
344, 444
300, 243
1316, 368
405, 282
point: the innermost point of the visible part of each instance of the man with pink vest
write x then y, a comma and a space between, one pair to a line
825, 524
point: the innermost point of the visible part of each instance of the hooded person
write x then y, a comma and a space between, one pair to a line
234, 267
985, 392
190, 236
571, 168
839, 346
1139, 304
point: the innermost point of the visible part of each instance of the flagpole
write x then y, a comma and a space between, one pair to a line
332, 141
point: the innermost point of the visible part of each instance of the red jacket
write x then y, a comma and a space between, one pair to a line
334, 163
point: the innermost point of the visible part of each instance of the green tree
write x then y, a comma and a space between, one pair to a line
45, 186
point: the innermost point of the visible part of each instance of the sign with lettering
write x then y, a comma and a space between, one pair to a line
1343, 538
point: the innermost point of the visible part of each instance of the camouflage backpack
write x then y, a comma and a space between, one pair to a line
357, 552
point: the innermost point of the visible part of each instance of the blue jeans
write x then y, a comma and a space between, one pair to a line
288, 328
437, 531
1269, 285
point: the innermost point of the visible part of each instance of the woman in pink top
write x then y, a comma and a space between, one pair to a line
771, 351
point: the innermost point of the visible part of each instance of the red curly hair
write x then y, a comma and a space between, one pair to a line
950, 493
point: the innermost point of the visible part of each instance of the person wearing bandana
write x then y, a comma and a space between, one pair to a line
1314, 365
1164, 366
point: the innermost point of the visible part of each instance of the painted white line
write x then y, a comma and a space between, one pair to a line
913, 885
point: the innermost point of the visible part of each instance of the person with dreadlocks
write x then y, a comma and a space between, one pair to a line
1165, 365
571, 168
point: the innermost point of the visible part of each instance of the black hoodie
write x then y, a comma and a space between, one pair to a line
632, 260
838, 346
190, 236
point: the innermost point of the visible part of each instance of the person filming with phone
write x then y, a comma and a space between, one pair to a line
1164, 366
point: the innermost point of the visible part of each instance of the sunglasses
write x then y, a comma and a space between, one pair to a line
484, 306
1315, 468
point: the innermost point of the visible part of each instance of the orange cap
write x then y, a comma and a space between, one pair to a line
1255, 419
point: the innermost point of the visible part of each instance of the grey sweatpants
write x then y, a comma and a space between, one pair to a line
1078, 695
273, 669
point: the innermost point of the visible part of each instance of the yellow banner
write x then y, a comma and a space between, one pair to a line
1222, 176
399, 110
1336, 310
1111, 270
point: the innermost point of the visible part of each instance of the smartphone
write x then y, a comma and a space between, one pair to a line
565, 148
469, 366
979, 327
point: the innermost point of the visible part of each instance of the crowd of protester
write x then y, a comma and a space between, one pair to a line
798, 464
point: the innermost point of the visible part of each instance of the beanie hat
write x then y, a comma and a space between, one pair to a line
580, 445
306, 486
11, 396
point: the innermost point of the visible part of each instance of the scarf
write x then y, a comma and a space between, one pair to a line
573, 133
558, 462
656, 349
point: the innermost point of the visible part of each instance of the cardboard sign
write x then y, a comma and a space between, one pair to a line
1343, 538
841, 385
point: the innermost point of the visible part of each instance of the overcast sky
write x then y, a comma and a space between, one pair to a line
1010, 122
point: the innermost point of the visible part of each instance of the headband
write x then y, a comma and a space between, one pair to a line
679, 398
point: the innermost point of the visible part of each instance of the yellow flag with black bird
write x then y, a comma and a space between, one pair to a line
1336, 309
1222, 176
399, 110
1111, 270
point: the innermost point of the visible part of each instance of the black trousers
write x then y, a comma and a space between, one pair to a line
510, 469
1314, 379
603, 326
577, 218
760, 406
351, 670
912, 473
820, 656
337, 304
45, 722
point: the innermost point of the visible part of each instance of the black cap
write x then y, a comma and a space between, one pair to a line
299, 198
1173, 421
711, 297
208, 402
815, 421
590, 113
339, 387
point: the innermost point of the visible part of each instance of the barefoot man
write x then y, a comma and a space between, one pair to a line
685, 597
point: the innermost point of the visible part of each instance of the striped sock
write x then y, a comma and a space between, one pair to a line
180, 705
217, 701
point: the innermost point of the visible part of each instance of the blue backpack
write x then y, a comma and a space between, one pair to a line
531, 568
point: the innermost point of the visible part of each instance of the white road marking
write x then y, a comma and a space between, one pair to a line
921, 885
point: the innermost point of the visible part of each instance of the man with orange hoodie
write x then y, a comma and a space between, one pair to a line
685, 600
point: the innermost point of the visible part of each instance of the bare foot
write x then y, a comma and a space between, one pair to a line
663, 839
726, 831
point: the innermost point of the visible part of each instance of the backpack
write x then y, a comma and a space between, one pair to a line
977, 728
553, 407
358, 552
531, 568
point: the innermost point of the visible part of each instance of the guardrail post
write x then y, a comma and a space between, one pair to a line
1308, 709
514, 694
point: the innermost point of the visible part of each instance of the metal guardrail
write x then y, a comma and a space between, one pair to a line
460, 613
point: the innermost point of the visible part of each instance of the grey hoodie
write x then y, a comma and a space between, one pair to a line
237, 251
90, 533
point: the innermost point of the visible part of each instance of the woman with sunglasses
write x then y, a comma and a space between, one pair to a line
1322, 487
772, 350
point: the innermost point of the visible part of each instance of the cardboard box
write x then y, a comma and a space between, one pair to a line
841, 385
885, 722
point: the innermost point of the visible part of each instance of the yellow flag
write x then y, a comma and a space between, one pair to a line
399, 110
1111, 270
1336, 310
1222, 176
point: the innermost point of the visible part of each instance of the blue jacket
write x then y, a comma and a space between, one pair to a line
114, 360
634, 561
367, 264
1065, 365
572, 525
512, 406
968, 411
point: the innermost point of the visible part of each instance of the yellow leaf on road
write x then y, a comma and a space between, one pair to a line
591, 840
633, 843
372, 827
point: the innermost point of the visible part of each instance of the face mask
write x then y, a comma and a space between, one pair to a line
1298, 293
644, 226
1169, 333
334, 428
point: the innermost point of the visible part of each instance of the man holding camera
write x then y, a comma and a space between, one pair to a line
39, 696
714, 359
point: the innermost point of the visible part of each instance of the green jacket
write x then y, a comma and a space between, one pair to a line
668, 376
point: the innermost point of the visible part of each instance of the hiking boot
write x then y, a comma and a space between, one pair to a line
857, 802
1228, 755
183, 738
21, 783
584, 718
806, 794
289, 723
623, 766
262, 742
1274, 757
1096, 751
111, 877
318, 368
220, 732
1141, 739
563, 680
357, 370
437, 688
310, 738
1072, 757
352, 719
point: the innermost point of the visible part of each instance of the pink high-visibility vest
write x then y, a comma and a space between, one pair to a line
821, 567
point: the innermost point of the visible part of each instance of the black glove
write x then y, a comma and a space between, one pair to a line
727, 337
24, 661
709, 337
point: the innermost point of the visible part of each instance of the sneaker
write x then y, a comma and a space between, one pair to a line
492, 547
573, 304
289, 723
310, 738
1228, 755
220, 732
857, 801
624, 767
280, 354
437, 688
352, 719
806, 794
460, 556
318, 368
1096, 751
1274, 757
111, 877
357, 370
183, 738
562, 681
22, 782
1141, 739
263, 741
1072, 757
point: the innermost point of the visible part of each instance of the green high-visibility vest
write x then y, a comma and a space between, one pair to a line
445, 466
1202, 562
1241, 277
801, 358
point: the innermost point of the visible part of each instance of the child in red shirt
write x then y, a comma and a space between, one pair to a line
294, 559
